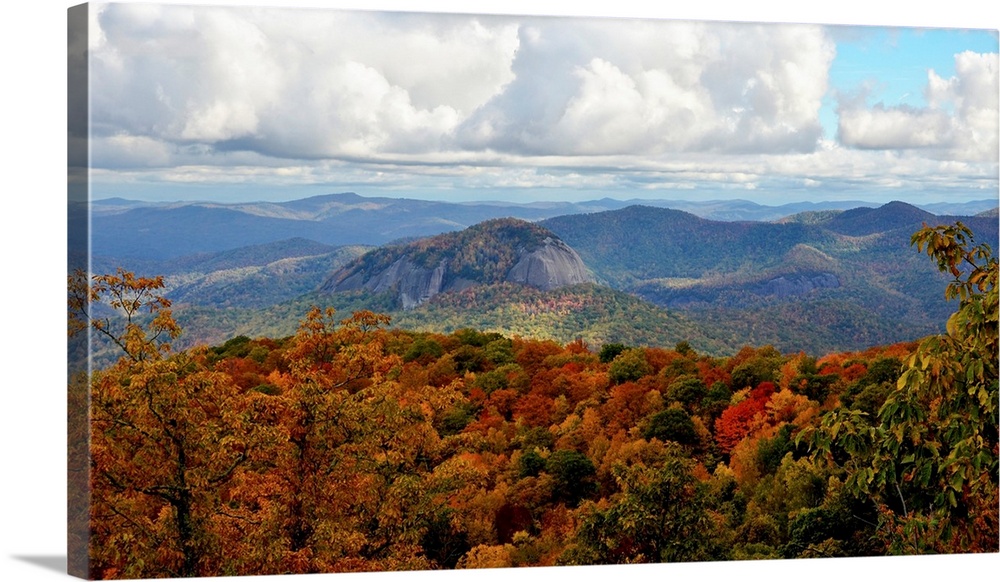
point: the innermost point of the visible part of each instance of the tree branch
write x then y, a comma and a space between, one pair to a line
900, 493
225, 475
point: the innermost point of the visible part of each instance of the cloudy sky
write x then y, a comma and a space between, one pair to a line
277, 103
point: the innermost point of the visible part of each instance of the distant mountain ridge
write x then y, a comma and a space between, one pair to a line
642, 242
128, 228
891, 216
857, 264
820, 280
255, 276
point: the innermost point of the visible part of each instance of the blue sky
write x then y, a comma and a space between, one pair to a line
235, 104
890, 65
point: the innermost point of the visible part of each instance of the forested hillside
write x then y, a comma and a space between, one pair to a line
821, 281
592, 313
162, 231
853, 274
353, 446
252, 277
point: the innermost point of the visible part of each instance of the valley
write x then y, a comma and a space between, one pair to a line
820, 279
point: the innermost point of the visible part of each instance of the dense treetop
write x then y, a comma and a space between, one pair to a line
355, 446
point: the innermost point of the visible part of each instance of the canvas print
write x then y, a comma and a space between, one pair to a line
357, 291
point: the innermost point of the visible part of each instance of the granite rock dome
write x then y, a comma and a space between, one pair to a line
495, 251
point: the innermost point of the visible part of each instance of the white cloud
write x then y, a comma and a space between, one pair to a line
292, 83
315, 84
647, 87
439, 101
960, 120
129, 151
899, 127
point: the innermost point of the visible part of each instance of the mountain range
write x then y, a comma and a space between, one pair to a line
819, 279
146, 230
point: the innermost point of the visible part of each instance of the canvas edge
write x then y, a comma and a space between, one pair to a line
78, 503
78, 261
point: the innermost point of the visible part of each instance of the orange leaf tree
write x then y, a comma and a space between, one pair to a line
351, 487
167, 435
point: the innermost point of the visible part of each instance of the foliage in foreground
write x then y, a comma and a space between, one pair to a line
929, 457
351, 446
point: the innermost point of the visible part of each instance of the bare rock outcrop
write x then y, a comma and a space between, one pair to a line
550, 266
544, 262
799, 284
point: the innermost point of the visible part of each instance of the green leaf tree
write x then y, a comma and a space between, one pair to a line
659, 515
629, 366
929, 460
672, 424
574, 475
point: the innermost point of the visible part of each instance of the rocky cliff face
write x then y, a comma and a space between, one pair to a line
505, 250
799, 284
550, 266
413, 284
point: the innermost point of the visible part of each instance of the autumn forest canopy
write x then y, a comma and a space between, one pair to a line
357, 445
